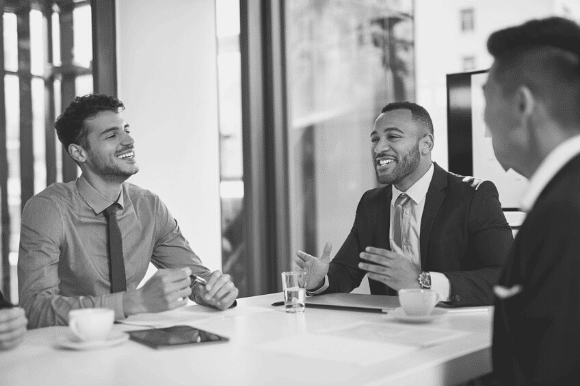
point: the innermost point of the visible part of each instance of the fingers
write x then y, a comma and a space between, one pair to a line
220, 290
373, 268
10, 314
12, 327
303, 256
383, 279
326, 252
228, 299
299, 262
215, 283
9, 341
173, 275
381, 252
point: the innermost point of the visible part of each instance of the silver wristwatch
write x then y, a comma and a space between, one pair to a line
425, 280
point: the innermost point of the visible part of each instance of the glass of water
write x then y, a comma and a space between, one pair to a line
294, 286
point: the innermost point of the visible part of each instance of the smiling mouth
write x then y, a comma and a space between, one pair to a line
127, 155
385, 161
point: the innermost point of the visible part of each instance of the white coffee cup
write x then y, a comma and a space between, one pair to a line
418, 302
91, 324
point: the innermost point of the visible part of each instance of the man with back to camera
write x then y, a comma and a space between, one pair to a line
426, 228
533, 113
88, 243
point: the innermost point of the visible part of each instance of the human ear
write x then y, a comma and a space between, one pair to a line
77, 152
525, 102
427, 143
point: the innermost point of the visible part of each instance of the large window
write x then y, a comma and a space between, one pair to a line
47, 47
345, 61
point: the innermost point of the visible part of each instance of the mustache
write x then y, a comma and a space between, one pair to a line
125, 148
384, 154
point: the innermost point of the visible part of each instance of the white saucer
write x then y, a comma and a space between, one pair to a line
399, 314
72, 342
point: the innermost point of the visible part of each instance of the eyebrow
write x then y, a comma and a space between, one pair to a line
388, 129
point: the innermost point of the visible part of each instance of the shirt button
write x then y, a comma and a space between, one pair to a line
457, 298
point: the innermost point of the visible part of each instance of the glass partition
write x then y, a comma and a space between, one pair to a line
345, 61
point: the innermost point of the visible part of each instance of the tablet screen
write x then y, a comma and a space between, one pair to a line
174, 336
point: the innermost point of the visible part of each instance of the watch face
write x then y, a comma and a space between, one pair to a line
425, 280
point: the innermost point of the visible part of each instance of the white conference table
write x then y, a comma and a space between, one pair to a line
266, 347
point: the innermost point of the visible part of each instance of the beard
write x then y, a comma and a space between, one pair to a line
111, 171
403, 167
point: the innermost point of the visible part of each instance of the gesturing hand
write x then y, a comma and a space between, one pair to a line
219, 291
316, 268
166, 290
393, 269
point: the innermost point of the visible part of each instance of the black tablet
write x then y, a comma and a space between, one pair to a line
174, 336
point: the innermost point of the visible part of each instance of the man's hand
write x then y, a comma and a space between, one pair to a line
219, 291
391, 268
166, 290
12, 327
315, 268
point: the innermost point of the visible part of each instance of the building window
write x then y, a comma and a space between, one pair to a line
47, 62
468, 63
467, 20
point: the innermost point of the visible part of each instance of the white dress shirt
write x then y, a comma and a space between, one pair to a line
548, 169
411, 241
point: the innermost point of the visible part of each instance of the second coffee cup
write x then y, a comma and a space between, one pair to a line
91, 324
418, 302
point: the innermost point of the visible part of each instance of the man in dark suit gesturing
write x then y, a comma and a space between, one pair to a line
426, 228
533, 112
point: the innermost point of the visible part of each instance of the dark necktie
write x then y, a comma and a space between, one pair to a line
115, 244
400, 226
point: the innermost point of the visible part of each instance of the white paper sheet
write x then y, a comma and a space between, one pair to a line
186, 315
405, 334
335, 349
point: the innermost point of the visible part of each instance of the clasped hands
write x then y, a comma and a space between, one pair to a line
388, 267
170, 288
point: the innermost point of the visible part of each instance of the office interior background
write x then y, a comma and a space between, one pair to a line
251, 118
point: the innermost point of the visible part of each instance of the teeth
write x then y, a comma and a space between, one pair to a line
385, 162
126, 155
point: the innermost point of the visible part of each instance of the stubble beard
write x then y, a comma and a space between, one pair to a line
402, 169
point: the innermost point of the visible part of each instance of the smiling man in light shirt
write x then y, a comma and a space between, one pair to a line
533, 112
65, 260
448, 234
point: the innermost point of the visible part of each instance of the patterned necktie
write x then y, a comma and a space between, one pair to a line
400, 226
115, 244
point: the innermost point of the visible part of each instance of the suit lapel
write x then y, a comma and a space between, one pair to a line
435, 196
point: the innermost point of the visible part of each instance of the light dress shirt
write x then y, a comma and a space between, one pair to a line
63, 262
548, 169
411, 241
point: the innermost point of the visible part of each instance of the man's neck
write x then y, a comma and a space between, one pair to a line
543, 145
415, 176
110, 188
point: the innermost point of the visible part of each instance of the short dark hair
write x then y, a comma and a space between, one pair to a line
544, 55
70, 126
419, 113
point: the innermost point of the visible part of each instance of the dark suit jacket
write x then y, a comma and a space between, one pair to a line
464, 235
536, 339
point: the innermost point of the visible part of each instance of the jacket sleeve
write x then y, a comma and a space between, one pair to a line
343, 273
491, 239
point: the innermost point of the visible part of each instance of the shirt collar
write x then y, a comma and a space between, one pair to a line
418, 191
549, 167
96, 200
